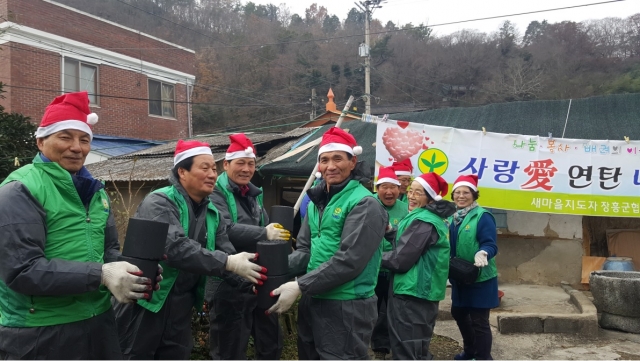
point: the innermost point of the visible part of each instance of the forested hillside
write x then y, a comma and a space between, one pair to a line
256, 65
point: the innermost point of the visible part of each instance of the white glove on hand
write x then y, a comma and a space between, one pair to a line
480, 259
124, 286
288, 292
241, 265
275, 231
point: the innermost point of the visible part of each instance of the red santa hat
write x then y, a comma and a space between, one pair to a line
337, 139
433, 184
240, 147
403, 168
387, 175
68, 111
470, 181
190, 148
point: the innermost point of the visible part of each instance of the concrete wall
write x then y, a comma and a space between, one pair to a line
540, 248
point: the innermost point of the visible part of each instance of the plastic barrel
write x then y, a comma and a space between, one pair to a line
618, 264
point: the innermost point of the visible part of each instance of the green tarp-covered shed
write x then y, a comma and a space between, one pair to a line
603, 117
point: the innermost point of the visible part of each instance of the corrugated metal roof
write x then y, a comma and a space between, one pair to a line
136, 168
116, 146
222, 141
155, 163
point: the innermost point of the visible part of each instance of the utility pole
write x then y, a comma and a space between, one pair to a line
312, 116
367, 7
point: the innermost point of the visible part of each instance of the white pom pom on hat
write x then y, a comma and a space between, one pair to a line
318, 175
239, 147
92, 118
433, 184
357, 150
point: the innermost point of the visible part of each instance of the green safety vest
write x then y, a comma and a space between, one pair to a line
396, 213
427, 279
74, 233
326, 237
170, 274
467, 245
223, 183
403, 198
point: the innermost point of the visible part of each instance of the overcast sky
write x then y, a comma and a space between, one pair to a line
433, 12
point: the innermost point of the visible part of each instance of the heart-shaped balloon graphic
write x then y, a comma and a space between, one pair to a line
402, 124
630, 150
401, 144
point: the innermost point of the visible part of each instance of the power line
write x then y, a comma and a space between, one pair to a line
148, 99
135, 69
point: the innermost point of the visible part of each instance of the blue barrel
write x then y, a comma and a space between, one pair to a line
618, 264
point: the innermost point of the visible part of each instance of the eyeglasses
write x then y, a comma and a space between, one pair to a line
457, 194
411, 192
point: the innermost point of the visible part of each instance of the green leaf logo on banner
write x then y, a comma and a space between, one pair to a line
433, 160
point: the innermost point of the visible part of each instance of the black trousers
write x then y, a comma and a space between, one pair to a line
335, 329
411, 323
233, 317
380, 337
475, 330
165, 335
95, 338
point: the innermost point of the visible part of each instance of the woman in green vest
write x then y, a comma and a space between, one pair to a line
419, 263
473, 236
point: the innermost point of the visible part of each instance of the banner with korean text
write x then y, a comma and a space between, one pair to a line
521, 172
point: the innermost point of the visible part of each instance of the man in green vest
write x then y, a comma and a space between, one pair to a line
59, 246
419, 263
196, 247
388, 188
337, 259
234, 315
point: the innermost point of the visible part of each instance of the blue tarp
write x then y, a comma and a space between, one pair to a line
115, 146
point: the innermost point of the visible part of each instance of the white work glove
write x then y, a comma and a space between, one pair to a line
480, 259
121, 279
275, 232
288, 292
241, 265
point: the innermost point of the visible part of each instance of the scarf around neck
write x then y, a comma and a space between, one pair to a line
461, 213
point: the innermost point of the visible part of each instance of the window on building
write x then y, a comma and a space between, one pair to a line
79, 76
161, 99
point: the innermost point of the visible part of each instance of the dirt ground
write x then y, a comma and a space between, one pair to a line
442, 347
